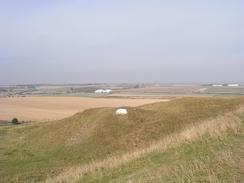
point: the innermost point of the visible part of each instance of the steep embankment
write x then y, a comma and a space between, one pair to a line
97, 145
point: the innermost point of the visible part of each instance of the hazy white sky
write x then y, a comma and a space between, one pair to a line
61, 41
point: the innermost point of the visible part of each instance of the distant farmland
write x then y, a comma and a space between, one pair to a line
51, 108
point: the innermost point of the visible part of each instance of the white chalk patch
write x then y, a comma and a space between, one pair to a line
121, 111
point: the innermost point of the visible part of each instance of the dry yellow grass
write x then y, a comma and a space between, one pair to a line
213, 128
185, 136
52, 108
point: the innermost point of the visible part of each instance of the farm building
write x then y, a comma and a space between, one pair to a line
233, 85
217, 85
103, 91
107, 91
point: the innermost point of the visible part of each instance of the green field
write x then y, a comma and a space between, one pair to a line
184, 140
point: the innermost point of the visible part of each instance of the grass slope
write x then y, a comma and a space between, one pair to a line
185, 140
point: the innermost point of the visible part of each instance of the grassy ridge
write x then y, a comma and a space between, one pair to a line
37, 151
204, 160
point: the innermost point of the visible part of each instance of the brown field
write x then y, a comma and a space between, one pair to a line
161, 90
51, 108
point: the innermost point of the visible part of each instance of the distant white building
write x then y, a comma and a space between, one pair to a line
233, 85
217, 85
103, 91
98, 91
107, 91
121, 111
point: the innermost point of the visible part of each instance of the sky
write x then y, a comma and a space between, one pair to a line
127, 41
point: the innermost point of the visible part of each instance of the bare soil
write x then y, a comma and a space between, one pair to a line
52, 108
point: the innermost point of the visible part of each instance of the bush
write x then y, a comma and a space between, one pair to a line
15, 121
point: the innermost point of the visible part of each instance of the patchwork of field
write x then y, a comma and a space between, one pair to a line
157, 91
165, 89
52, 108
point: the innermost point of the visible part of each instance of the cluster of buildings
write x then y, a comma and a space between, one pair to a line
102, 91
229, 85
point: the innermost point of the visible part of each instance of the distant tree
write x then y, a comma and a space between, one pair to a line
15, 121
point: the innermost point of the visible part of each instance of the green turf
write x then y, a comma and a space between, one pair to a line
33, 152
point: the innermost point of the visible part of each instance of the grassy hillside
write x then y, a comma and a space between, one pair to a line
185, 140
